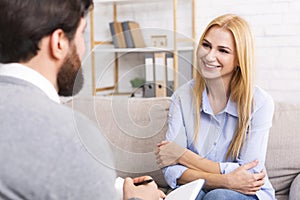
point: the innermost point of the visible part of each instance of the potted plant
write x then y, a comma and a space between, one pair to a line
137, 85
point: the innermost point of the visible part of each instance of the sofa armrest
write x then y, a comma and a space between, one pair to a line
295, 188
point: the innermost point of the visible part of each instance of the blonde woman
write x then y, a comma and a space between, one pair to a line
219, 123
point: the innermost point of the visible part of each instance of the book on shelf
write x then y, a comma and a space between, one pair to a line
127, 34
170, 74
188, 191
160, 74
136, 34
117, 34
149, 87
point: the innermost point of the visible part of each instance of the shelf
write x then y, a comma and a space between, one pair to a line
125, 1
110, 48
107, 47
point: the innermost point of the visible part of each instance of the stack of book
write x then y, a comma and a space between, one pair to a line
126, 34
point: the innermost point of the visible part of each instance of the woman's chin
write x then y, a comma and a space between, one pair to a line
210, 74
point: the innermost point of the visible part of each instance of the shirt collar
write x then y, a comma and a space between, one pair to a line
230, 108
27, 74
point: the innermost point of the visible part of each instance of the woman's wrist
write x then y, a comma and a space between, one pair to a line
183, 158
187, 157
197, 162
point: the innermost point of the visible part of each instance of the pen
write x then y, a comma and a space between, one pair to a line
143, 182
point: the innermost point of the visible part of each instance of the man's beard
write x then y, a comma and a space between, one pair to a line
70, 77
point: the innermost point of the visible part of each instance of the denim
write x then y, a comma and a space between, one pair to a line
224, 194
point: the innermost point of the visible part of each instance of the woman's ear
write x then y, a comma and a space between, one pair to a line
59, 44
237, 65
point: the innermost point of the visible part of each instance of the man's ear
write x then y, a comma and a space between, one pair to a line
59, 44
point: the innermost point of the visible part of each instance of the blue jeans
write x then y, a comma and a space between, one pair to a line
224, 194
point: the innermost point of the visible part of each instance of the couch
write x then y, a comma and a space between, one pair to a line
133, 127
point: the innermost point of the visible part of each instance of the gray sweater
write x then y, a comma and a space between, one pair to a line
49, 151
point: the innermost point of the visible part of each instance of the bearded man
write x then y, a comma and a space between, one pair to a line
42, 155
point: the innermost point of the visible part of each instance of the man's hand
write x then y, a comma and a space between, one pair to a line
146, 192
168, 153
241, 180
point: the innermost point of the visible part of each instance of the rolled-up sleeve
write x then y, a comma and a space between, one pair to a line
172, 173
227, 167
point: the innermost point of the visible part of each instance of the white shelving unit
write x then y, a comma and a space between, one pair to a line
140, 50
106, 46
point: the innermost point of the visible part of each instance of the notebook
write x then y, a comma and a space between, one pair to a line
187, 191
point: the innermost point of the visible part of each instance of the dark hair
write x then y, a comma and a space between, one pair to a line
23, 23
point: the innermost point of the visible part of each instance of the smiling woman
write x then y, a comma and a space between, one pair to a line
219, 123
231, 37
42, 153
216, 55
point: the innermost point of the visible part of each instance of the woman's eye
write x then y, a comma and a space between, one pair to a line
223, 51
204, 44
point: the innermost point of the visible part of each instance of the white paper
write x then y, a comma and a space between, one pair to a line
187, 191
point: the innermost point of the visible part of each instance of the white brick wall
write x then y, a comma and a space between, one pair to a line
276, 27
275, 24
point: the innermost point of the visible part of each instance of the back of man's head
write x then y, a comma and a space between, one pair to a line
23, 23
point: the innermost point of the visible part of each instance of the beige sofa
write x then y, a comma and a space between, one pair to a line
134, 126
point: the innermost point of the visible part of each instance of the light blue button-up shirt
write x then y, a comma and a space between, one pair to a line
216, 133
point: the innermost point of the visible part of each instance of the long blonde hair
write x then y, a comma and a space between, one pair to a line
241, 86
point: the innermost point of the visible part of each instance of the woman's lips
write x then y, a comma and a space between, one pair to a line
211, 66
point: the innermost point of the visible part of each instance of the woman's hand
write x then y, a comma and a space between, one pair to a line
241, 180
145, 192
168, 153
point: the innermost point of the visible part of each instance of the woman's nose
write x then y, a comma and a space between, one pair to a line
211, 56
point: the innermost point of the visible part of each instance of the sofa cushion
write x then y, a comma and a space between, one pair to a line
282, 162
133, 127
295, 188
282, 197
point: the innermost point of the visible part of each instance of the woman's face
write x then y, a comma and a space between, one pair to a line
217, 54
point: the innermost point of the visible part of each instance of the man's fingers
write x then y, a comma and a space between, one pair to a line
141, 179
162, 195
128, 181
